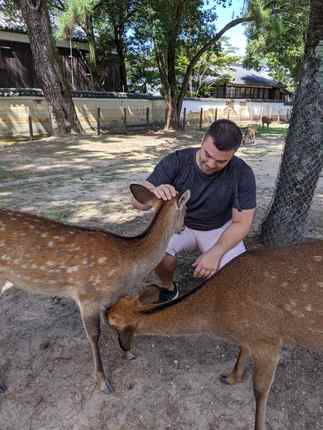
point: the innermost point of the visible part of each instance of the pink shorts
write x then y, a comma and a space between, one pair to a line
189, 240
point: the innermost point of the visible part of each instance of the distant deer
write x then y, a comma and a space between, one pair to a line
266, 120
249, 136
92, 267
261, 300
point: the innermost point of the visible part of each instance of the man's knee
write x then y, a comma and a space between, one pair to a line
168, 263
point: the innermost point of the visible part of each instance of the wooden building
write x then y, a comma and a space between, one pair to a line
16, 64
247, 84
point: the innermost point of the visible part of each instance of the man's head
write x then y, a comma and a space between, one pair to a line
219, 144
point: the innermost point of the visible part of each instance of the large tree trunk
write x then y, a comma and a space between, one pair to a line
48, 67
120, 46
303, 155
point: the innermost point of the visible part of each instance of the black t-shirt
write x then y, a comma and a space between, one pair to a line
212, 196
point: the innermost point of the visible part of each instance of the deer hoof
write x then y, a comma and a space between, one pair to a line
3, 388
107, 388
228, 379
130, 356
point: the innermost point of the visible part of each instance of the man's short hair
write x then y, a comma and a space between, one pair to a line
226, 134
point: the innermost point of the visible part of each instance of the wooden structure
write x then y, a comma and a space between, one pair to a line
248, 84
16, 64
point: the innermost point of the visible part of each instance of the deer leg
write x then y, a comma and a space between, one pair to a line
125, 337
236, 376
3, 388
90, 313
265, 357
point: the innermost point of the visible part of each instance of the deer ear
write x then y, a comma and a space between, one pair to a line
183, 198
142, 194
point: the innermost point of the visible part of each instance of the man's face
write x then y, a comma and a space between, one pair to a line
210, 159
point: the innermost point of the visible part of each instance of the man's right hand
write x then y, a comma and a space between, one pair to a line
164, 192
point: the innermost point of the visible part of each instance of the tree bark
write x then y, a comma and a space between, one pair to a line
92, 52
48, 66
120, 46
302, 159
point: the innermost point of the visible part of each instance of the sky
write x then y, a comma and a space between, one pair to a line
236, 35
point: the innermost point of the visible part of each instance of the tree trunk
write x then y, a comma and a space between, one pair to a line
303, 155
120, 46
92, 52
48, 66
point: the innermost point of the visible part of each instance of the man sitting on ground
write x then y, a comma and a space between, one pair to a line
222, 204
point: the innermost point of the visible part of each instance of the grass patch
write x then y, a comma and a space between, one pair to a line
272, 131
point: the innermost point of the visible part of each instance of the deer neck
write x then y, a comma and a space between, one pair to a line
150, 249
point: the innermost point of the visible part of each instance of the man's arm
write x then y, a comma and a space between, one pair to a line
207, 264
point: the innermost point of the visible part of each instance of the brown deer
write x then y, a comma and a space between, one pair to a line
92, 267
266, 120
261, 300
249, 136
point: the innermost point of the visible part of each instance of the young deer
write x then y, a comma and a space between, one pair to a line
261, 300
93, 267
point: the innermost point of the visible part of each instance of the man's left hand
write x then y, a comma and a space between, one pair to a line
206, 264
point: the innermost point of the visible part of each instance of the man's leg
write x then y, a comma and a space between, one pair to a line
207, 239
166, 269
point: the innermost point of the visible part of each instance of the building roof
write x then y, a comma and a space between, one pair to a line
236, 74
17, 25
251, 77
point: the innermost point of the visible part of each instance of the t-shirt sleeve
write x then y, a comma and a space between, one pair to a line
166, 170
246, 190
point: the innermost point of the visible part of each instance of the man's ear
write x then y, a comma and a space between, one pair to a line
183, 198
142, 194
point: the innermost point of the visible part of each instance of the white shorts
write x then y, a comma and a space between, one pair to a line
189, 240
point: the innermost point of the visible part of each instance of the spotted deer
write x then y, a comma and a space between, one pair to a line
261, 300
93, 267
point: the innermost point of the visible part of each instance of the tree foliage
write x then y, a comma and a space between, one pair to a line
276, 39
302, 159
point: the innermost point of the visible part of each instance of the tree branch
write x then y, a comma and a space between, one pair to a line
206, 47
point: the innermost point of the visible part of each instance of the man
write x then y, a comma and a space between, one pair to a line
222, 204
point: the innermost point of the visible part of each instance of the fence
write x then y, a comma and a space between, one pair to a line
201, 112
24, 115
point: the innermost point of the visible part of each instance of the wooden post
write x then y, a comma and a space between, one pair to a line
125, 119
98, 121
201, 117
184, 118
215, 114
30, 123
147, 116
50, 119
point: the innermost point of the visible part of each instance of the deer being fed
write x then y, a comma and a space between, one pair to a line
261, 300
93, 267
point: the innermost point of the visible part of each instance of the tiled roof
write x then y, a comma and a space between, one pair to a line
17, 25
243, 76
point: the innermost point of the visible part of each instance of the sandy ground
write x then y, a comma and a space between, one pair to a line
45, 359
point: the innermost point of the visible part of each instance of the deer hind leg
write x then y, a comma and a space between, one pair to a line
236, 376
125, 337
265, 357
90, 313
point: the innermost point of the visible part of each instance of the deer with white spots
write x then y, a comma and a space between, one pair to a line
261, 300
93, 267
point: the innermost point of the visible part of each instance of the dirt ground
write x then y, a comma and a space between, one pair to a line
45, 358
